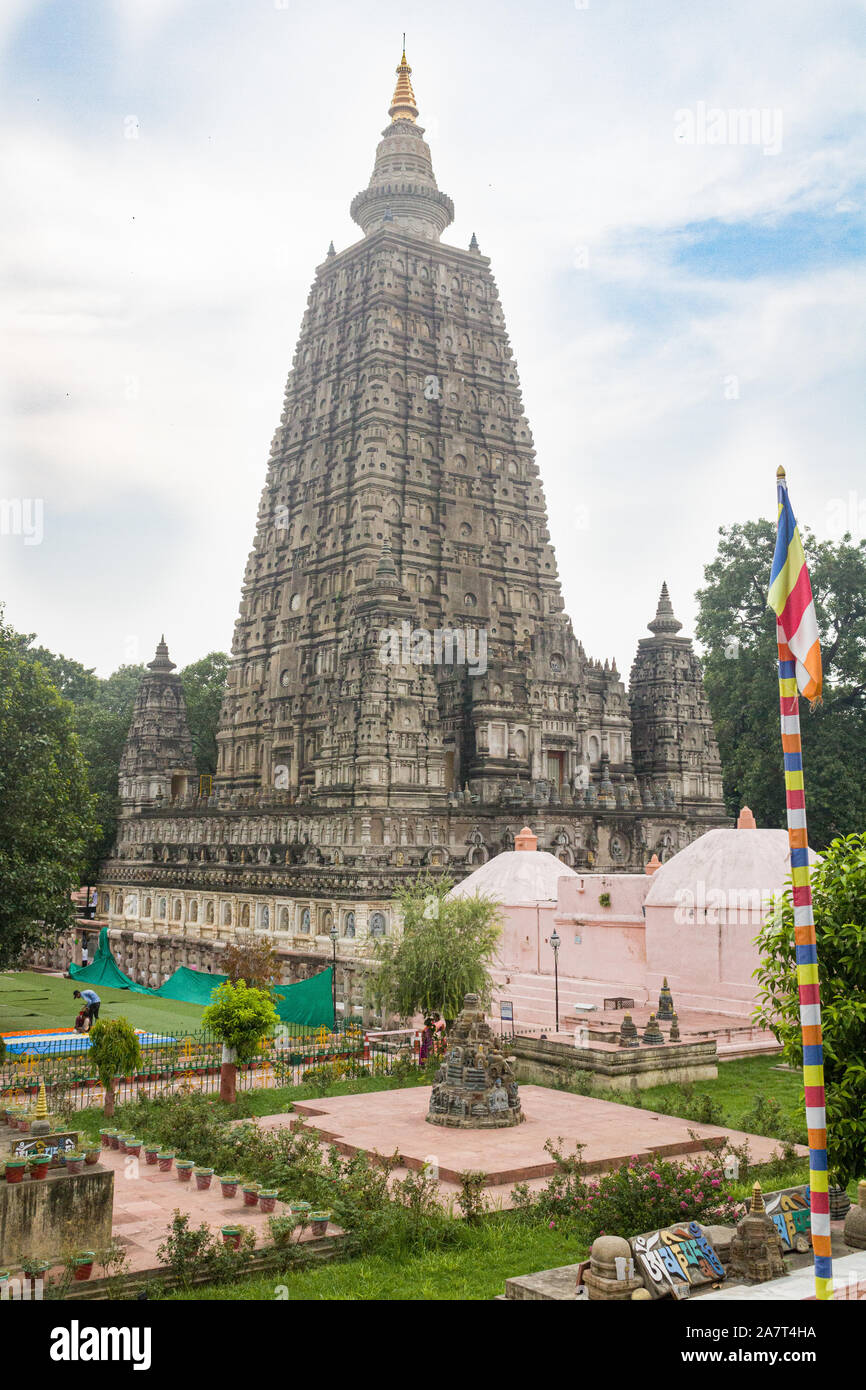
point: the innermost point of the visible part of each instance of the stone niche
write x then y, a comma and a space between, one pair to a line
475, 1087
62, 1212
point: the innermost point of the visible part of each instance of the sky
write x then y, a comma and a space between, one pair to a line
683, 285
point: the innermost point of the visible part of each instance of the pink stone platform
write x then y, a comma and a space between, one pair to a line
385, 1121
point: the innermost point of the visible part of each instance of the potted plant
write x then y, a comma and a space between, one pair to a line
267, 1199
35, 1269
229, 1185
114, 1139
251, 1194
183, 1168
15, 1169
83, 1264
165, 1160
91, 1155
74, 1161
105, 1137
301, 1209
39, 1165
319, 1222
121, 1143
231, 1236
150, 1153
133, 1145
203, 1178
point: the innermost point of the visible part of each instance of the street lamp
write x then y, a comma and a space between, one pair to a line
555, 943
333, 935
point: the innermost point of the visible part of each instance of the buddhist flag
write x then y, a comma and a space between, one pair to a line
791, 600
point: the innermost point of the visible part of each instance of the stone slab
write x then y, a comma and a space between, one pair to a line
58, 1213
387, 1121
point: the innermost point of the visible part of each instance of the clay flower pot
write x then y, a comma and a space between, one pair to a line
183, 1168
39, 1165
267, 1199
251, 1194
105, 1137
15, 1168
150, 1153
83, 1263
319, 1222
229, 1186
203, 1178
113, 1139
165, 1160
74, 1162
133, 1145
231, 1236
301, 1210
91, 1156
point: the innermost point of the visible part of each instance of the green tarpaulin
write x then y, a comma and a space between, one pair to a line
189, 986
104, 970
310, 1002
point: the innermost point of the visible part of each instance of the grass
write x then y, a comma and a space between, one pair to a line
737, 1086
31, 1001
477, 1268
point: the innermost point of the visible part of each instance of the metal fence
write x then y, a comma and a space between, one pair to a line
179, 1061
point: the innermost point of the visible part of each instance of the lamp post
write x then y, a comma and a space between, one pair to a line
555, 943
334, 972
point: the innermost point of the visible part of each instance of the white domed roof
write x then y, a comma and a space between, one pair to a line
516, 878
756, 860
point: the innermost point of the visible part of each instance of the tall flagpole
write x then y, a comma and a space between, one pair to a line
807, 959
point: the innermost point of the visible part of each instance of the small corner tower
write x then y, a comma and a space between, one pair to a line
158, 763
673, 743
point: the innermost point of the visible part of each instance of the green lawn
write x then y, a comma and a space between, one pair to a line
31, 1001
736, 1087
476, 1269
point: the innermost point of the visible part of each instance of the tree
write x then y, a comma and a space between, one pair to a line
47, 820
251, 958
115, 1051
204, 684
839, 898
239, 1017
738, 633
443, 953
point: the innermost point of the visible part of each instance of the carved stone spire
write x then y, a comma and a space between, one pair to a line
664, 620
402, 191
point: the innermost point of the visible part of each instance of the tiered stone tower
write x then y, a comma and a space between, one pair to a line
673, 742
158, 763
406, 688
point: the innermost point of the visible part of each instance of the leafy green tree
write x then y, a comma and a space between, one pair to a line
443, 952
204, 683
839, 898
115, 1051
738, 633
240, 1017
47, 818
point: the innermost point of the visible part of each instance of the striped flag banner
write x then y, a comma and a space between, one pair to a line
800, 672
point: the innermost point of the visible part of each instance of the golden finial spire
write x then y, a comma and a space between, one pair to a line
757, 1200
403, 106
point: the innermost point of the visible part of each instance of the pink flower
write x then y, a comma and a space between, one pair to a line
715, 1183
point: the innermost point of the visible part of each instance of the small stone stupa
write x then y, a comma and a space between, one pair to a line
40, 1121
475, 1086
756, 1249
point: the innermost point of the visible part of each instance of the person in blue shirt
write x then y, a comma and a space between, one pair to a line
91, 999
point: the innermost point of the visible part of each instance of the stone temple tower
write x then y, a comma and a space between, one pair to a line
157, 763
673, 741
406, 689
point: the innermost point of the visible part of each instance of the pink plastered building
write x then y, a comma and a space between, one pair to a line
692, 920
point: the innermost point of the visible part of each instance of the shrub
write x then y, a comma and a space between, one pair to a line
115, 1051
240, 1017
638, 1196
